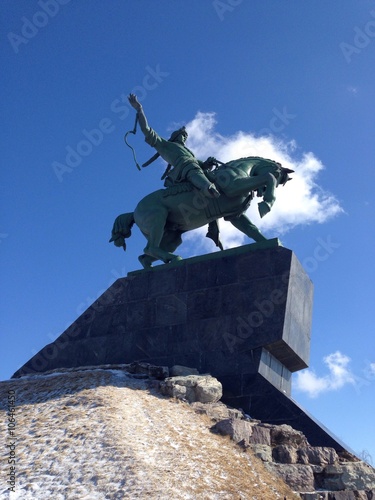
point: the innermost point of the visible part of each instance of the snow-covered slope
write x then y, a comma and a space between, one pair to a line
103, 434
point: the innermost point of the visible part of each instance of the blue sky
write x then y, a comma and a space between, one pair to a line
289, 80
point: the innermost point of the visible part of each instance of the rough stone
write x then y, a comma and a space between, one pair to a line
314, 495
298, 477
358, 476
337, 495
285, 434
158, 372
317, 473
208, 390
178, 370
262, 451
203, 388
216, 411
239, 430
349, 476
284, 454
261, 435
180, 392
343, 495
326, 495
317, 455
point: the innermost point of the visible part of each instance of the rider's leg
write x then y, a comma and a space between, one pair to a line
200, 181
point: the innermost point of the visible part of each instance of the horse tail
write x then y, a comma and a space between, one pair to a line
122, 229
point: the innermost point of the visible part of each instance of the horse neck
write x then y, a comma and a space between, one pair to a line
245, 165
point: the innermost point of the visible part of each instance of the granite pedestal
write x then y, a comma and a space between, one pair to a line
243, 315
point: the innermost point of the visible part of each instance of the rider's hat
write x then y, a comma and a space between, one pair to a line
178, 132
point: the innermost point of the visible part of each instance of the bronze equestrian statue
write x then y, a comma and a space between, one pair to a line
164, 215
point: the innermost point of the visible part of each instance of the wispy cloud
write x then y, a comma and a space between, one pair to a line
338, 376
352, 90
301, 201
370, 371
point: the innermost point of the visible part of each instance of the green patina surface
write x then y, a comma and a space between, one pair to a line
198, 193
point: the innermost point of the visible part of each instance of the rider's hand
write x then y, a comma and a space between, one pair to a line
134, 102
211, 160
209, 163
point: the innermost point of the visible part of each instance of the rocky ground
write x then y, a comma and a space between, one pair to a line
106, 434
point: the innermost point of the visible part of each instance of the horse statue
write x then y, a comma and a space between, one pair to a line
164, 215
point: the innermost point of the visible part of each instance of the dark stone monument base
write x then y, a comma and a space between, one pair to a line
243, 315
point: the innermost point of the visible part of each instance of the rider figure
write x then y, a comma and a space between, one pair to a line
185, 166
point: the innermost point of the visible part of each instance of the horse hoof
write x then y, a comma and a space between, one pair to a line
175, 258
145, 261
263, 208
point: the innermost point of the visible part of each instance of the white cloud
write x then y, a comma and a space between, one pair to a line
301, 201
339, 375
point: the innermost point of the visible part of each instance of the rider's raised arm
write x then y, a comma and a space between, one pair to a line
141, 116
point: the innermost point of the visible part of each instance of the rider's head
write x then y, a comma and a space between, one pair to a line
179, 135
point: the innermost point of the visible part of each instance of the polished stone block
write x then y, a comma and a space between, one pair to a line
229, 303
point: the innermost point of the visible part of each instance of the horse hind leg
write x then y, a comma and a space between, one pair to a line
146, 261
154, 232
169, 242
158, 253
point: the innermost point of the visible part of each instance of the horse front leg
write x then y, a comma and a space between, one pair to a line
242, 186
268, 196
244, 224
